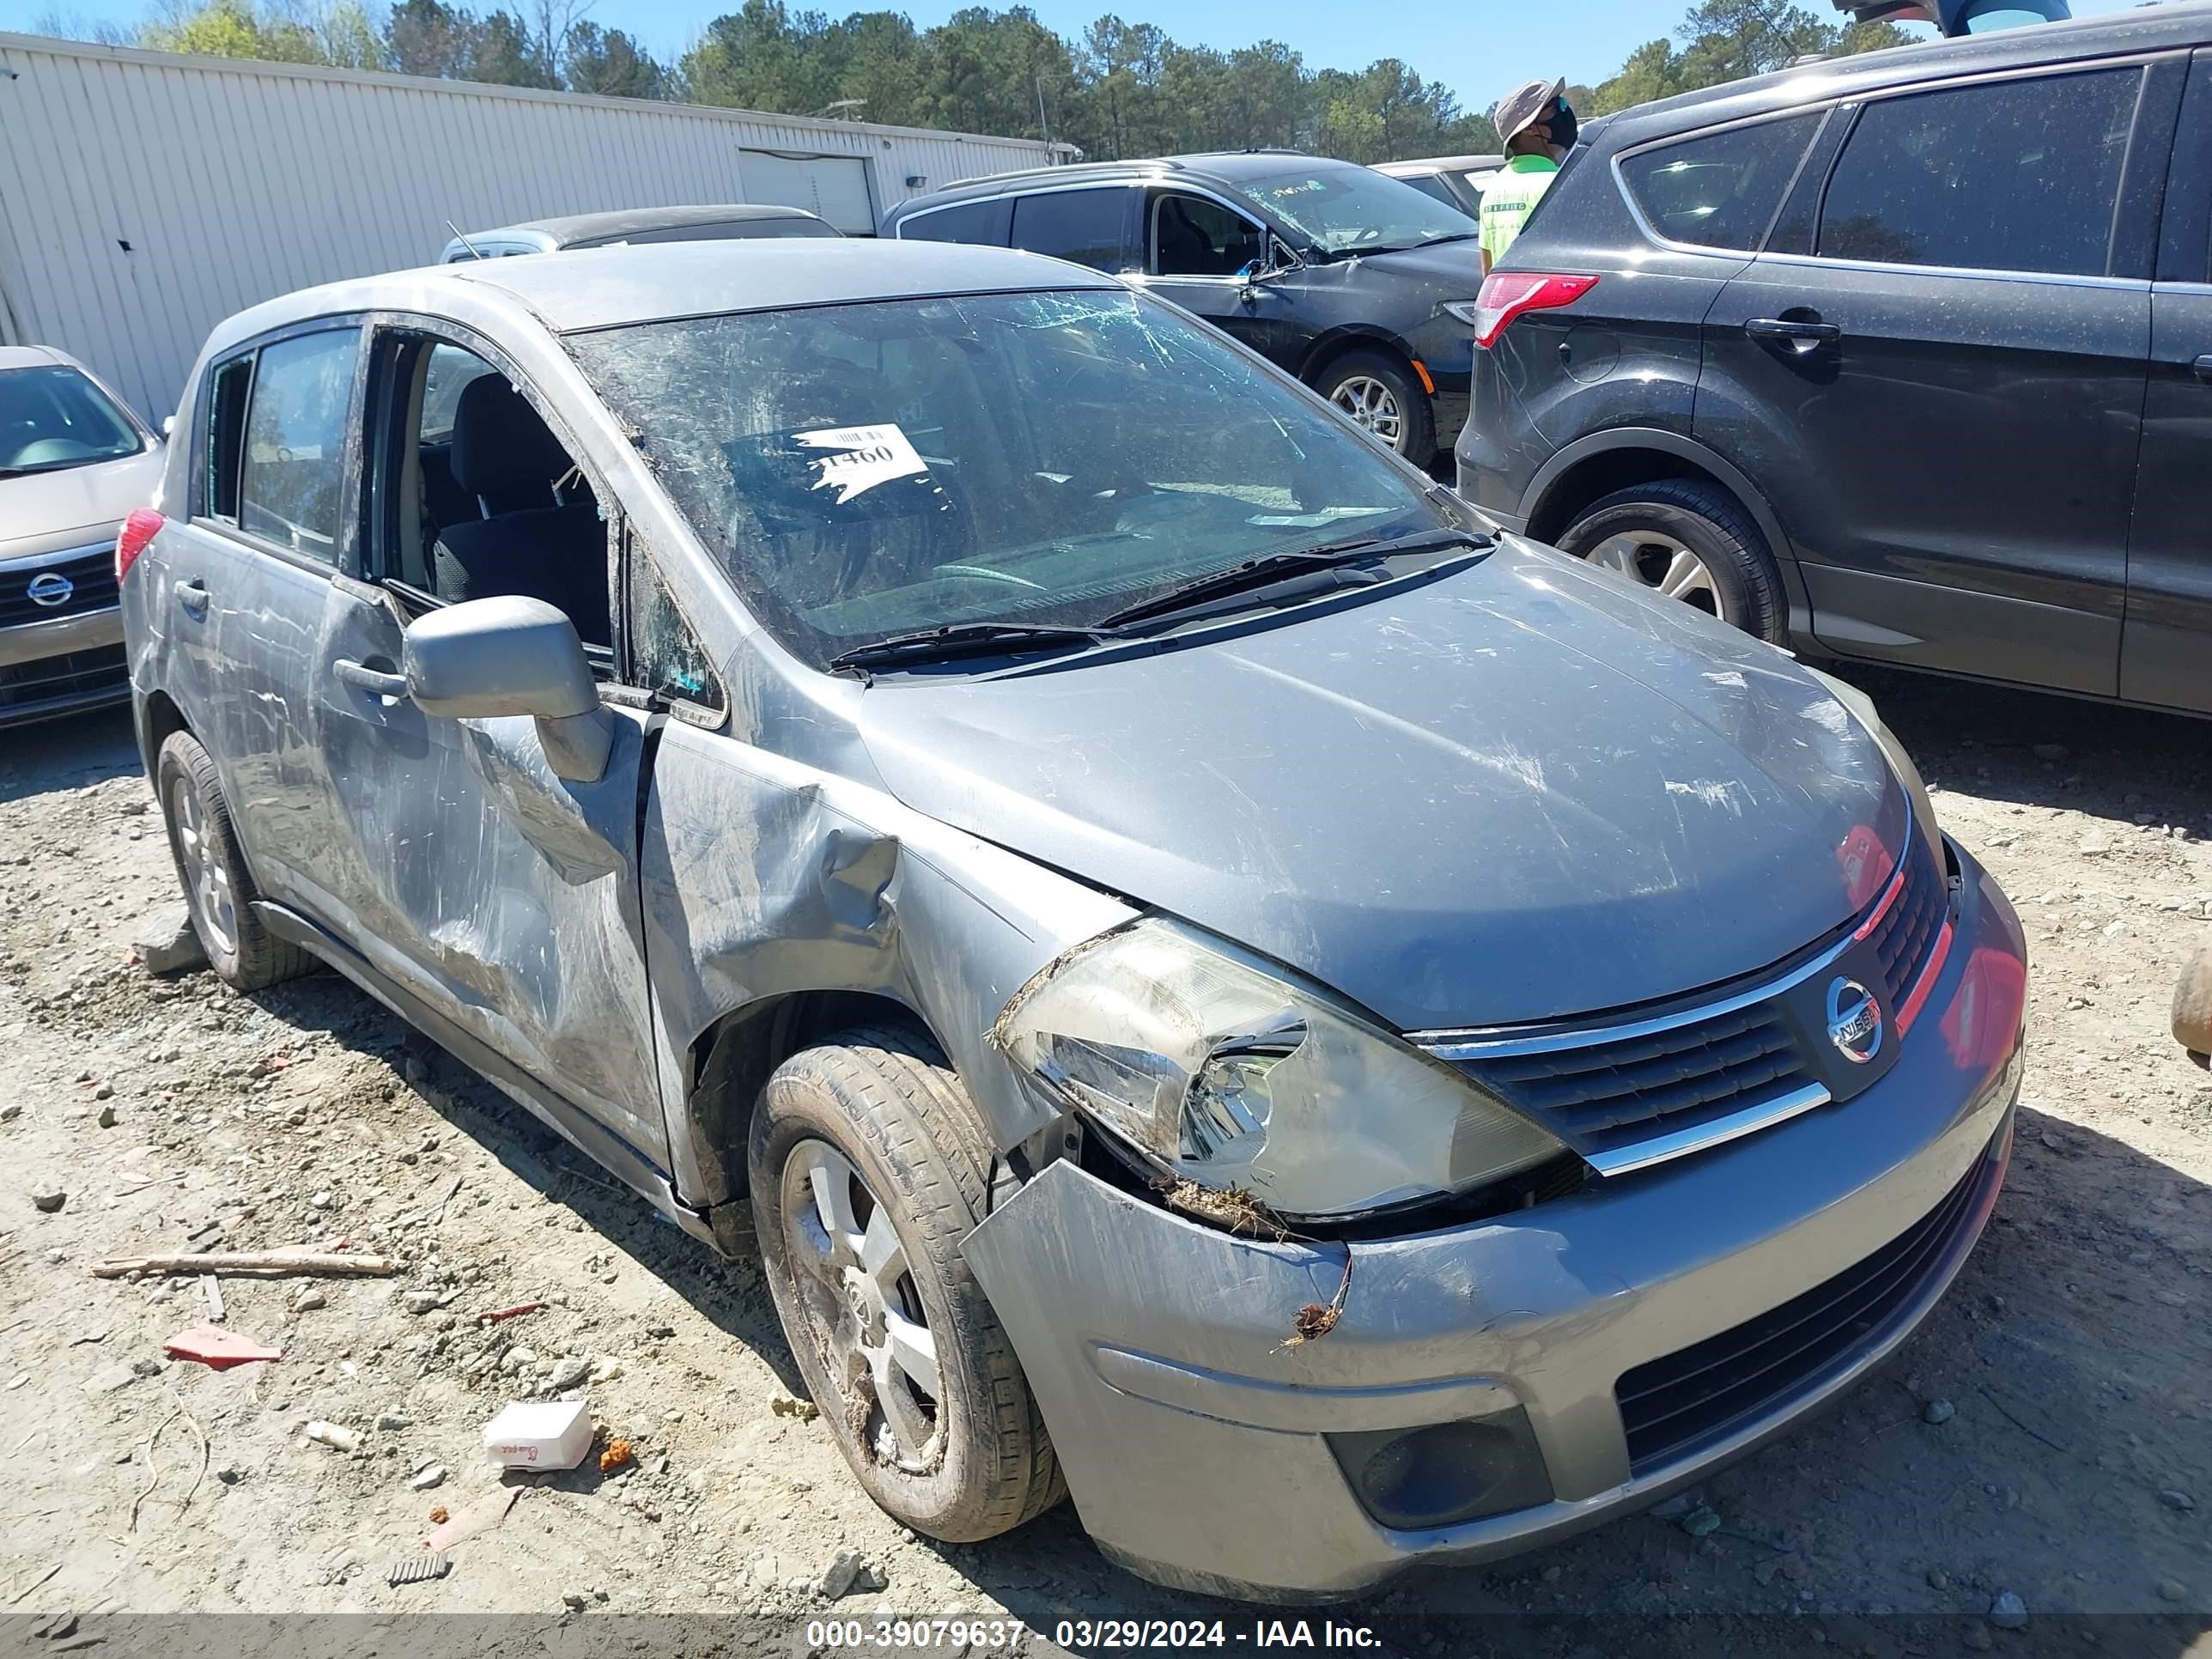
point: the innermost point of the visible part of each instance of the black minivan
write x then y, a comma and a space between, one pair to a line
1360, 285
1905, 357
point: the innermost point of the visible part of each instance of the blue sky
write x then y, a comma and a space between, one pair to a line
1480, 48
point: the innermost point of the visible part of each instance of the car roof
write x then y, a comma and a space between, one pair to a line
1439, 164
606, 287
35, 356
1229, 167
2150, 27
631, 221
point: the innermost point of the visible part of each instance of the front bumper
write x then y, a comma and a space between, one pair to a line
59, 667
1193, 1438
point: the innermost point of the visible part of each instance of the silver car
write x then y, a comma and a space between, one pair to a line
74, 460
1214, 982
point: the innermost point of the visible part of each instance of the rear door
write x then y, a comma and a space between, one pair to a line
1094, 226
249, 581
1936, 368
2166, 643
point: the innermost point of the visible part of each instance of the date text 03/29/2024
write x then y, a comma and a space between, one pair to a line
1085, 1636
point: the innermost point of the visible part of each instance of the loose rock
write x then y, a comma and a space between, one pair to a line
568, 1373
1938, 1410
49, 1199
166, 943
2178, 1500
2172, 1589
2008, 1612
429, 1475
1702, 1521
837, 1577
308, 1299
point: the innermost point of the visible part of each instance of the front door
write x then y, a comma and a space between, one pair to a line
1943, 395
1203, 255
2165, 647
500, 896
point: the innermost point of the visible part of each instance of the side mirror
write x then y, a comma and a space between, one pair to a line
486, 658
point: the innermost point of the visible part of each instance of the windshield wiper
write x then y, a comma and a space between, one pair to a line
971, 640
1453, 236
1263, 572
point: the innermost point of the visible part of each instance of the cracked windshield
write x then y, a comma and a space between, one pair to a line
868, 470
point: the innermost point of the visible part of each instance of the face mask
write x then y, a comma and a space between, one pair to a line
1564, 128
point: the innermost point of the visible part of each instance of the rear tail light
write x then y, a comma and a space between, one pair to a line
139, 528
1504, 294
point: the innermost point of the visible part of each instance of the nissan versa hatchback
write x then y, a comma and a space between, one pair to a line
1219, 985
1904, 357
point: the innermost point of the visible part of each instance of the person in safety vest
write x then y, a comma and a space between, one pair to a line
1537, 128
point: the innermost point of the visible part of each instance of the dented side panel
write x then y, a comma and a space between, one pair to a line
764, 875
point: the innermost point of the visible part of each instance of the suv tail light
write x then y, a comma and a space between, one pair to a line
139, 528
1504, 294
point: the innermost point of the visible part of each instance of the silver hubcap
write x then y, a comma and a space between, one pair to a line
865, 1311
1661, 564
1371, 404
206, 881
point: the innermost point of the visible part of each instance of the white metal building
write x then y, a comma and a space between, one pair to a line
145, 196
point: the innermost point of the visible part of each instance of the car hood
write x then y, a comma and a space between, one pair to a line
1519, 791
47, 512
1449, 263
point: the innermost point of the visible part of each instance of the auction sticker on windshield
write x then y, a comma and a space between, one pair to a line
868, 456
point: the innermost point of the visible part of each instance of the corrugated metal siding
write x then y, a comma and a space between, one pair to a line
231, 183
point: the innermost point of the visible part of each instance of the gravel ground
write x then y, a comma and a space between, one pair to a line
2043, 1436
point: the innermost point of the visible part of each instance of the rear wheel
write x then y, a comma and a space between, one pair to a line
1379, 393
1685, 539
218, 890
867, 1167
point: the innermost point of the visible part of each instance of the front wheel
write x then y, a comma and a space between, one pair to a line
1379, 393
867, 1168
1685, 539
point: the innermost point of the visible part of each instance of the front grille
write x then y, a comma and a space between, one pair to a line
1905, 932
1671, 1405
90, 573
56, 679
1607, 1096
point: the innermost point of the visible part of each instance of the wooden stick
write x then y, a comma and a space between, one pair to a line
275, 1263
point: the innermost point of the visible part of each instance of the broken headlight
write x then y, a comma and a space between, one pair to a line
1213, 1065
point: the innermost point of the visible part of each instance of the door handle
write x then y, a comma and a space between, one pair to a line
192, 600
1800, 337
362, 677
2204, 367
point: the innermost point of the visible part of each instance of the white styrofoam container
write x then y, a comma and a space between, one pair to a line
553, 1434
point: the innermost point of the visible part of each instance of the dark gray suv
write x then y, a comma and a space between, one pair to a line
1360, 285
1902, 357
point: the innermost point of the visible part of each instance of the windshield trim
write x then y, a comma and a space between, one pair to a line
1106, 285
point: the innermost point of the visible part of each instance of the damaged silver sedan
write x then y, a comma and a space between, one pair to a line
1216, 983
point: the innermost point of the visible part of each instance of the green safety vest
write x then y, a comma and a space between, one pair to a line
1510, 198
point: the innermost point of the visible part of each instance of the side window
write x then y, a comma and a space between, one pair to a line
970, 222
225, 439
295, 452
670, 663
1082, 225
1429, 184
474, 496
1720, 189
1193, 236
2010, 175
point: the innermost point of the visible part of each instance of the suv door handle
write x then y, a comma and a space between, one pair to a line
362, 677
1800, 337
2204, 367
192, 600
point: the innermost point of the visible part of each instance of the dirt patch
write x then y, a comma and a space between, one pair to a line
2045, 1435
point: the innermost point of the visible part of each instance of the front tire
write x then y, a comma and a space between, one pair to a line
867, 1167
1378, 393
219, 891
1688, 540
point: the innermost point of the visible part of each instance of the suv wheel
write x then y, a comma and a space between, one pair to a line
218, 890
867, 1167
1688, 540
1380, 393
